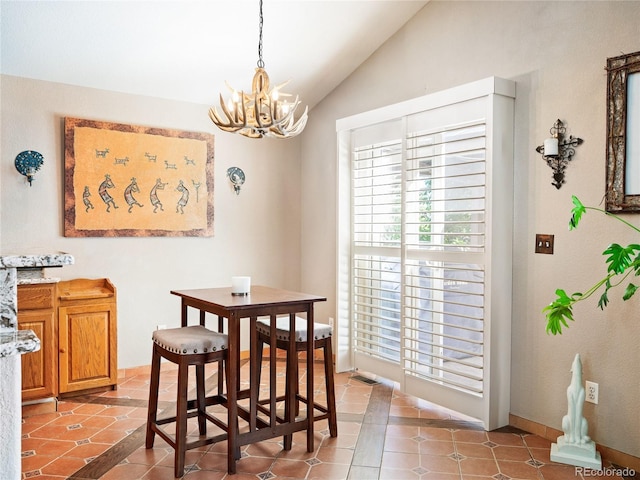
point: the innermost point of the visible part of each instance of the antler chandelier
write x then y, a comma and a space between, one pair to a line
261, 113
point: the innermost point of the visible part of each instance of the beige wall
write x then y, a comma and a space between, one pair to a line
556, 52
256, 233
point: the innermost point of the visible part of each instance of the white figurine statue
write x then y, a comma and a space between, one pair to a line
575, 447
574, 425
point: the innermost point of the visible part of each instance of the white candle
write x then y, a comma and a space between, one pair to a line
240, 285
551, 146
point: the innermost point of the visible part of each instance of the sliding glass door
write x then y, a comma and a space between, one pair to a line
417, 259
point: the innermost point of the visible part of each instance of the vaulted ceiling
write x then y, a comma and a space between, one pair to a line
186, 50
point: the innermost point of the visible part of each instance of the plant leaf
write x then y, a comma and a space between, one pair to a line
556, 318
630, 290
576, 212
604, 300
559, 311
620, 258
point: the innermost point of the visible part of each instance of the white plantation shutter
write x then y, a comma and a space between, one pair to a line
418, 251
377, 206
445, 229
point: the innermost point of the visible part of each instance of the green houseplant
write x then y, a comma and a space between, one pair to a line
622, 263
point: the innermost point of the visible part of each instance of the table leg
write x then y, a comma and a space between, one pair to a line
183, 317
273, 390
221, 378
310, 367
254, 380
233, 385
292, 381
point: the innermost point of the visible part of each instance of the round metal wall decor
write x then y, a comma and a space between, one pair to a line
28, 163
236, 176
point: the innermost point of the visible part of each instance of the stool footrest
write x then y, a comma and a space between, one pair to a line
171, 440
208, 401
265, 401
316, 406
267, 412
216, 421
300, 398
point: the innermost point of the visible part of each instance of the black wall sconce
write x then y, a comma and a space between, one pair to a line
558, 151
28, 163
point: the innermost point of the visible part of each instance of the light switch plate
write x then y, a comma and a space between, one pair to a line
544, 243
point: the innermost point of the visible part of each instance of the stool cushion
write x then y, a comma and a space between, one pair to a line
190, 340
320, 330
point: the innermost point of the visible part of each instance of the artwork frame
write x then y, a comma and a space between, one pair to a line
623, 160
119, 178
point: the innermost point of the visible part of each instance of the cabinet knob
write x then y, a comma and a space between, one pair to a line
63, 350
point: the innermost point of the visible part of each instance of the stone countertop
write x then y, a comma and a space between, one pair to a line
18, 342
36, 260
34, 281
15, 268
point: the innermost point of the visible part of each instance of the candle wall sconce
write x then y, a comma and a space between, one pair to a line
28, 163
558, 151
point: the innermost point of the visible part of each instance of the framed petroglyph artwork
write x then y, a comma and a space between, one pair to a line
132, 181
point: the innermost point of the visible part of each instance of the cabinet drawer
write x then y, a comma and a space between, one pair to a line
35, 297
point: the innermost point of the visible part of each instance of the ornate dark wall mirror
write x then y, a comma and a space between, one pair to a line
623, 133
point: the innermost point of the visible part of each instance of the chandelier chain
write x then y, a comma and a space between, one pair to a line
260, 61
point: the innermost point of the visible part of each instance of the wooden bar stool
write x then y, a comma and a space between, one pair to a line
186, 346
322, 340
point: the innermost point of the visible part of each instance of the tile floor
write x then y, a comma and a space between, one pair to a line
383, 434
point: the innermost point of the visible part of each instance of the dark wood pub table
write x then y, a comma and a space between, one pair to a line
261, 302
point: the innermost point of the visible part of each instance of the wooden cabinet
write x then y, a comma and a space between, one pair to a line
36, 311
76, 322
87, 335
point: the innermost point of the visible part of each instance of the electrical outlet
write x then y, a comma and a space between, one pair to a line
161, 327
331, 322
592, 392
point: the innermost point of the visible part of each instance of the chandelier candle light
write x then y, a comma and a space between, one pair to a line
263, 112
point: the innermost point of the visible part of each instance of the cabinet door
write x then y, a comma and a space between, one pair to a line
39, 369
87, 343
